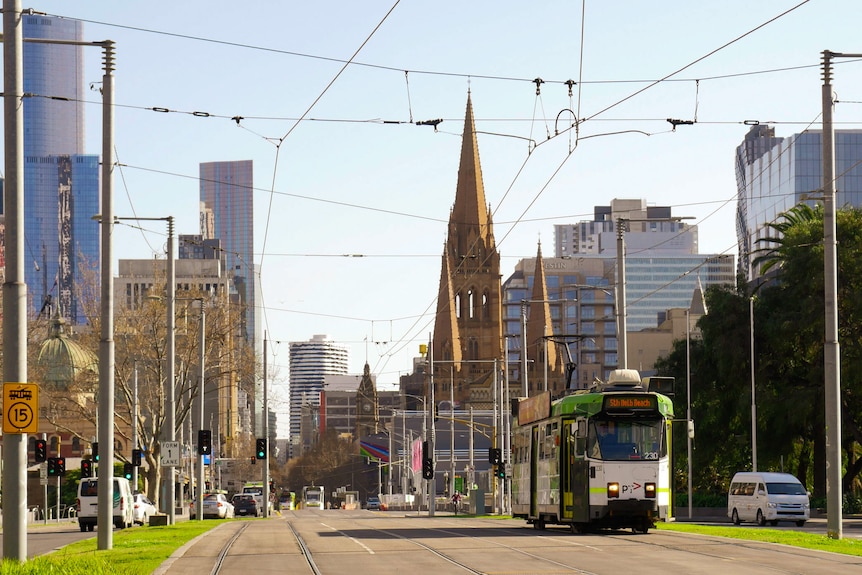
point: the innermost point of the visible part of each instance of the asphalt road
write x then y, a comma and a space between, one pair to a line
380, 543
44, 538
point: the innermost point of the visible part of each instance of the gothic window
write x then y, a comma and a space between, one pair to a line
485, 306
471, 302
458, 305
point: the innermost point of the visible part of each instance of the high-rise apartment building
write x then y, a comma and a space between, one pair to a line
61, 182
310, 363
773, 174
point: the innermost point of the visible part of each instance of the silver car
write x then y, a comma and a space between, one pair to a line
216, 505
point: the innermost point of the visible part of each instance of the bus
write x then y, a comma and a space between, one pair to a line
596, 458
313, 496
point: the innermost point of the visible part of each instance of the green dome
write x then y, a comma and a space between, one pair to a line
64, 359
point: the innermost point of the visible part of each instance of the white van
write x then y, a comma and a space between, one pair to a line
88, 503
772, 497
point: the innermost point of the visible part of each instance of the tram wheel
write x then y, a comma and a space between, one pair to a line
539, 524
578, 528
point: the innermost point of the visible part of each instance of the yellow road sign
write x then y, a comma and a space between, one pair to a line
20, 408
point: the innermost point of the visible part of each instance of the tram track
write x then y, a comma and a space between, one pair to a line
306, 552
225, 550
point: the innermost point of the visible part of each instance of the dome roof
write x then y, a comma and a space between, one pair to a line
64, 359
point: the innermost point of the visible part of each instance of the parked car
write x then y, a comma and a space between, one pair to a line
216, 505
143, 509
245, 504
373, 503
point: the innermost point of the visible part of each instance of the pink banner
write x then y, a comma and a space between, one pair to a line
416, 464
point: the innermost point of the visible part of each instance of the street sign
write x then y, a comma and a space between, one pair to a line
20, 408
171, 453
43, 473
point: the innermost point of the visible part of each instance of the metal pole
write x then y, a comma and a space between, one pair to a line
391, 458
199, 501
753, 400
266, 432
170, 391
405, 446
432, 440
688, 422
14, 475
135, 422
494, 439
831, 353
452, 429
525, 391
106, 344
621, 294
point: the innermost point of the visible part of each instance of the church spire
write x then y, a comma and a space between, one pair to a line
541, 348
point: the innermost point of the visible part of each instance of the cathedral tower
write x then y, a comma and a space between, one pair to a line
468, 333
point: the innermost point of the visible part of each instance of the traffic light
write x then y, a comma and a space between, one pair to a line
495, 455
261, 448
500, 470
427, 462
86, 468
56, 466
128, 470
95, 449
41, 451
254, 460
136, 457
205, 442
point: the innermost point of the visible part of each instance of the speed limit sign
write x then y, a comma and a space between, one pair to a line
20, 408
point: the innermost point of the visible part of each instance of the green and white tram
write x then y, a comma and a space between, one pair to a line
598, 458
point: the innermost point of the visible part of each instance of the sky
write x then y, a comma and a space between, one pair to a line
352, 191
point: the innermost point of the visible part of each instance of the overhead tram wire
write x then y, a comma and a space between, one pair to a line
565, 160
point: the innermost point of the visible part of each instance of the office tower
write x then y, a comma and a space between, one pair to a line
61, 183
773, 174
227, 215
310, 362
227, 192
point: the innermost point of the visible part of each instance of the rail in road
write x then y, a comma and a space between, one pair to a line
382, 543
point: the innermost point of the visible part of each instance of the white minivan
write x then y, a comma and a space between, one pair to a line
88, 503
767, 497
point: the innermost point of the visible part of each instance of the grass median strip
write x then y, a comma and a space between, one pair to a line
137, 551
794, 538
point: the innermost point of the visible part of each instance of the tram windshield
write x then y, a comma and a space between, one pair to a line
627, 439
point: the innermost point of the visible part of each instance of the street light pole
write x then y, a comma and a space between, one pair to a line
831, 351
170, 391
199, 502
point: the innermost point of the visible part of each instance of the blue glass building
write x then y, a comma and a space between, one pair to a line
774, 174
61, 183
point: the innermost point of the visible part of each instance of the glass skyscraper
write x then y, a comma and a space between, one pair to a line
61, 183
774, 174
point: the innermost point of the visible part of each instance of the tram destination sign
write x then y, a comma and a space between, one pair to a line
630, 402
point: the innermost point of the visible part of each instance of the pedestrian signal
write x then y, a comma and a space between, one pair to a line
205, 442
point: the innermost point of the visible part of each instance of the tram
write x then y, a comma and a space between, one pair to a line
597, 458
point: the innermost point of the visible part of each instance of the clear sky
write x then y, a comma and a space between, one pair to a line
357, 176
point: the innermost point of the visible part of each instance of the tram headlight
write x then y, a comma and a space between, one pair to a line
613, 490
649, 490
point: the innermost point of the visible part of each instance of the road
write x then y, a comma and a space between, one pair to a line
381, 543
44, 538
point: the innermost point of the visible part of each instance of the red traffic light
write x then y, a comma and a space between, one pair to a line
41, 450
